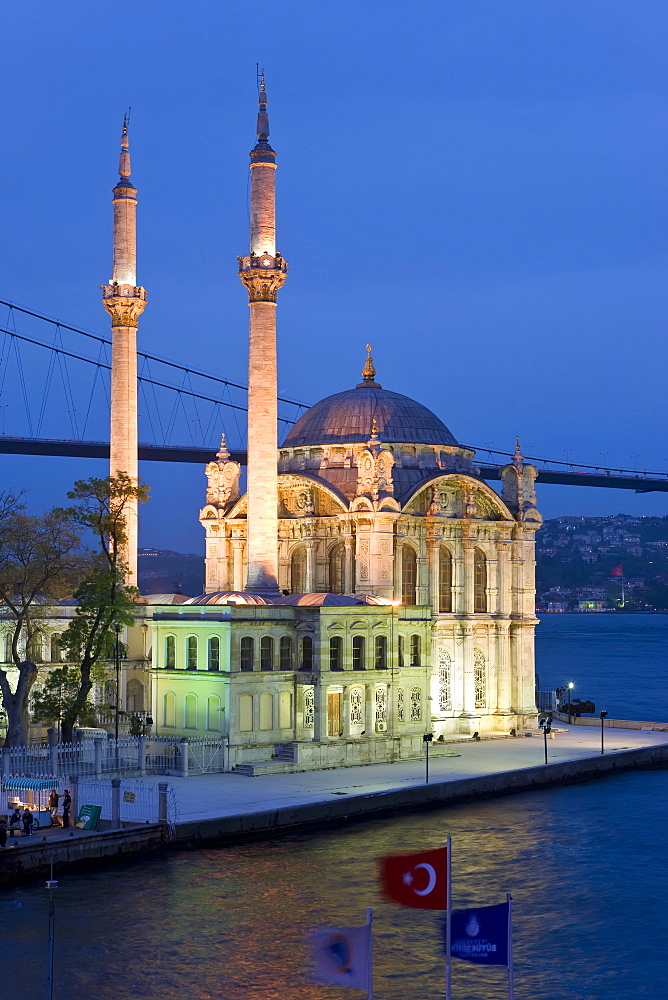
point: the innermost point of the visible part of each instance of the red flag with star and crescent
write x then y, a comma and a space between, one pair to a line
418, 880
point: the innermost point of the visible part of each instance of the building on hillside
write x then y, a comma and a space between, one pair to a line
367, 589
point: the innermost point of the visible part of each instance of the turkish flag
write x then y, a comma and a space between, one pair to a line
418, 880
617, 570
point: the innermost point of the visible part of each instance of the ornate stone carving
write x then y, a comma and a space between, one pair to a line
374, 468
223, 478
124, 303
262, 276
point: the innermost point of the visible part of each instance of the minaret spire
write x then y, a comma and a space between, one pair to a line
262, 272
125, 302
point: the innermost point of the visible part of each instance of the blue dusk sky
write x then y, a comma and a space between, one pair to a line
476, 188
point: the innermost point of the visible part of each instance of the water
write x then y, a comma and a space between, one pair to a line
585, 865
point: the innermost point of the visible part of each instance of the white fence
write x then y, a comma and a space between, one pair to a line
129, 755
122, 800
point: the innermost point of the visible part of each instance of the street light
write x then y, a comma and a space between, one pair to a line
569, 688
546, 726
426, 739
604, 716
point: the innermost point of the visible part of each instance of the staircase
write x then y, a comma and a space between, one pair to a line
283, 761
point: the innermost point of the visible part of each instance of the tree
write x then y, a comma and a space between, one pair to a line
104, 598
59, 693
40, 562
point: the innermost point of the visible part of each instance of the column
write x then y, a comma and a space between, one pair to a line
238, 556
503, 667
349, 564
320, 713
310, 566
370, 709
468, 546
433, 553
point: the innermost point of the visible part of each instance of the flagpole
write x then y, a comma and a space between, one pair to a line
511, 978
448, 921
369, 921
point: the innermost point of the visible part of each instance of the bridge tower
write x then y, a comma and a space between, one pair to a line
125, 301
262, 272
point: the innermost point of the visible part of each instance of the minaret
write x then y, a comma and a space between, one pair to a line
125, 302
263, 272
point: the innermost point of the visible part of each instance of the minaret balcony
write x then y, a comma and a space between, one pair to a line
113, 290
263, 262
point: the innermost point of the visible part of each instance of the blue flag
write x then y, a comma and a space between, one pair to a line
481, 935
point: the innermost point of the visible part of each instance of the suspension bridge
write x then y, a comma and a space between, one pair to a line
52, 372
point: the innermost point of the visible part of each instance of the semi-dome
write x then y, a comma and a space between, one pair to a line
346, 417
227, 597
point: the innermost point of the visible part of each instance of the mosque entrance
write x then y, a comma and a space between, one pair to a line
334, 699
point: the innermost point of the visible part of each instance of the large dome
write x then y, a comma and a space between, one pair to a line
347, 417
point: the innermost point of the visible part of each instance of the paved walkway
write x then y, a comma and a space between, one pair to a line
210, 796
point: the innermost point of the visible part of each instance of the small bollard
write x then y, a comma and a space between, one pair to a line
162, 801
116, 803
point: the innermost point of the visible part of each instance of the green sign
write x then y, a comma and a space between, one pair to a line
89, 817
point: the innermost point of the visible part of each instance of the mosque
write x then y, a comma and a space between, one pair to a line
367, 589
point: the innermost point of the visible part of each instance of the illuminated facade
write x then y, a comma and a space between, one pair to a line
368, 588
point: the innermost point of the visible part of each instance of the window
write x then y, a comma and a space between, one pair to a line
214, 653
444, 680
170, 652
306, 653
266, 711
337, 569
479, 582
298, 571
56, 648
400, 650
34, 650
214, 715
309, 708
400, 704
356, 706
479, 679
358, 653
381, 705
134, 696
191, 650
335, 650
246, 713
266, 653
8, 647
169, 710
415, 650
246, 659
408, 575
286, 652
284, 710
381, 652
444, 580
416, 704
190, 720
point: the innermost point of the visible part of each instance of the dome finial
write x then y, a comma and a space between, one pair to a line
369, 372
518, 456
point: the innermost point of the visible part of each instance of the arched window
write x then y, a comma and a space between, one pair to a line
134, 696
190, 715
444, 580
479, 582
298, 571
358, 653
169, 710
337, 569
56, 648
408, 575
213, 658
479, 678
335, 651
415, 650
34, 650
170, 652
191, 652
380, 649
286, 652
246, 713
213, 714
246, 659
266, 653
400, 650
444, 681
306, 658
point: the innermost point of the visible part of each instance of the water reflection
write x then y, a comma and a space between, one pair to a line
584, 865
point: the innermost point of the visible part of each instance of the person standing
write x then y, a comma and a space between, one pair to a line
54, 798
27, 822
67, 805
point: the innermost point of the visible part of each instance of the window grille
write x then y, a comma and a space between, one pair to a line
416, 704
381, 704
444, 680
400, 704
309, 708
408, 575
356, 706
479, 679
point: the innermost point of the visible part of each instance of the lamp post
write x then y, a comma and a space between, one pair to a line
604, 716
426, 739
117, 664
51, 884
546, 725
569, 688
